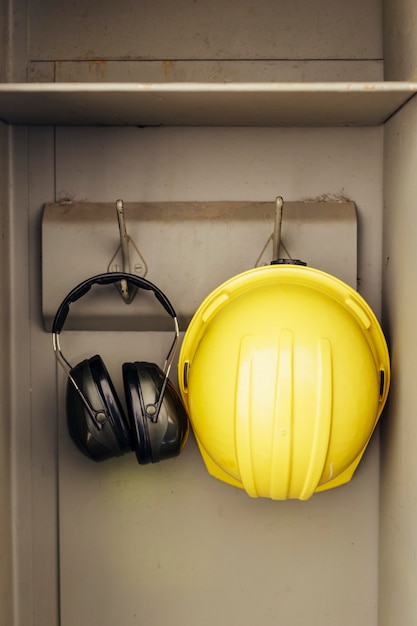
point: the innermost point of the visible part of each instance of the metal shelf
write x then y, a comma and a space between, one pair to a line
203, 104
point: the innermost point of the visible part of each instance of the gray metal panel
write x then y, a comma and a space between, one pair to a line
4, 51
400, 49
184, 29
32, 408
17, 38
207, 71
6, 549
43, 396
139, 544
20, 366
28, 419
398, 539
169, 543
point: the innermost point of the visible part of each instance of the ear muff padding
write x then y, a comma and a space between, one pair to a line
112, 438
166, 437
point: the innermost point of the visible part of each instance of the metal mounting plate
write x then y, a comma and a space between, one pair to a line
189, 249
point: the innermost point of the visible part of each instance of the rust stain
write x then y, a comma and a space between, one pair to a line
98, 68
167, 70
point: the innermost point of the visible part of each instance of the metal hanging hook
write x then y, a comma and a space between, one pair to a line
127, 257
127, 291
276, 238
124, 237
124, 244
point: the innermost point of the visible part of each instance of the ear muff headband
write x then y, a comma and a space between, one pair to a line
99, 417
107, 279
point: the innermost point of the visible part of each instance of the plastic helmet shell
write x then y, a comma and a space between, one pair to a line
284, 371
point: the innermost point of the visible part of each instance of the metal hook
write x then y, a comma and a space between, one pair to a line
128, 292
124, 244
275, 236
122, 259
276, 239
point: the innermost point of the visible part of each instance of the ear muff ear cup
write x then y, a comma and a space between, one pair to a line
111, 437
165, 437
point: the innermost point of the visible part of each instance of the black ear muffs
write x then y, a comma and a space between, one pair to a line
156, 427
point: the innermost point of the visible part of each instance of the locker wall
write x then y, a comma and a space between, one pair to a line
239, 559
5, 490
3, 39
194, 41
399, 27
195, 30
6, 567
398, 542
325, 553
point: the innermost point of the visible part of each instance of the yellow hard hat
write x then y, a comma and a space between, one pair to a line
284, 371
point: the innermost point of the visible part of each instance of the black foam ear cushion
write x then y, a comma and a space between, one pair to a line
113, 437
165, 437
